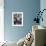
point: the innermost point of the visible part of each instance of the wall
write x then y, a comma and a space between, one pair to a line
1, 20
29, 8
43, 6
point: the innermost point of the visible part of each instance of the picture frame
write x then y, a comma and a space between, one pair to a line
17, 18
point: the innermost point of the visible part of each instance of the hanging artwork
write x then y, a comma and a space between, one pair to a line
17, 18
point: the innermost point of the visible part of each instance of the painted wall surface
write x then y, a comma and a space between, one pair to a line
29, 8
1, 20
43, 6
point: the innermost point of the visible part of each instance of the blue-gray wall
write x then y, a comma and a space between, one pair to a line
29, 8
43, 6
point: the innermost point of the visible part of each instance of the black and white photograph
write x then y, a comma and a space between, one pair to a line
17, 18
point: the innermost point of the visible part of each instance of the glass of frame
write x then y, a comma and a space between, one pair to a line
17, 18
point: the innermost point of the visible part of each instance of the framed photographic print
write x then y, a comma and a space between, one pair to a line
17, 18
